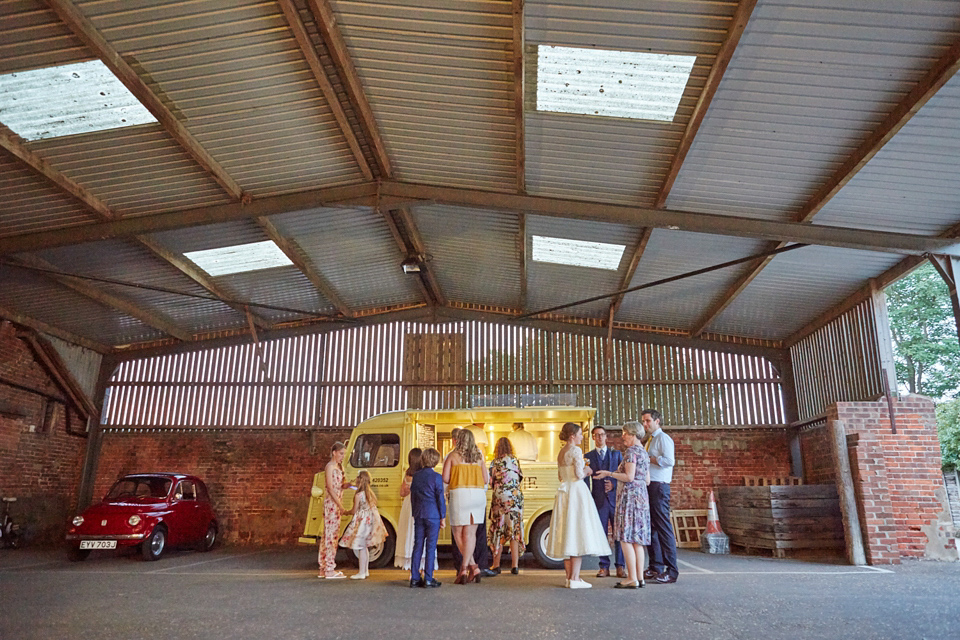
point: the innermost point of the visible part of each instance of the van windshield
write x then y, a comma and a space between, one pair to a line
376, 450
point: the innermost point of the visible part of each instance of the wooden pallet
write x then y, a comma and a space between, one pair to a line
782, 518
688, 524
766, 481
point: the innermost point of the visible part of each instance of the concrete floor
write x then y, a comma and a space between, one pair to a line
239, 593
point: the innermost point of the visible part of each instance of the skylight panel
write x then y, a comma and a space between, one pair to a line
67, 100
603, 82
239, 258
577, 253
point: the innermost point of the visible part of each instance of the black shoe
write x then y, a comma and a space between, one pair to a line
489, 573
430, 584
515, 570
650, 574
494, 571
665, 578
416, 583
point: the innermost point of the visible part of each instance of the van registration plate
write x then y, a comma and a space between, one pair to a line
98, 544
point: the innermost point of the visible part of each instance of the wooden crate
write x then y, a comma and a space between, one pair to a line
688, 524
782, 518
764, 481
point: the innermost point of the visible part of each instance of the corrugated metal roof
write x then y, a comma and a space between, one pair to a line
806, 85
53, 304
475, 253
133, 171
671, 253
912, 182
549, 284
611, 159
354, 250
797, 287
33, 38
439, 78
31, 203
237, 77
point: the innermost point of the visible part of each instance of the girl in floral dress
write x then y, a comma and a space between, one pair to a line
506, 506
366, 529
631, 522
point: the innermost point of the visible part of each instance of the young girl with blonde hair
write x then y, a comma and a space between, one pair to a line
366, 529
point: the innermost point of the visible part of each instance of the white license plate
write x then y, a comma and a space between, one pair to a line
98, 544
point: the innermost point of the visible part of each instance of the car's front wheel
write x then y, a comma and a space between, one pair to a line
210, 539
382, 555
153, 545
539, 534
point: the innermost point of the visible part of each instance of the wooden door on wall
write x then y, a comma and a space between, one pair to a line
438, 360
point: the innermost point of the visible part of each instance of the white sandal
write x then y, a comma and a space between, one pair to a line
337, 575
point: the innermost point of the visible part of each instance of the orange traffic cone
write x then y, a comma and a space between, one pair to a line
714, 540
713, 521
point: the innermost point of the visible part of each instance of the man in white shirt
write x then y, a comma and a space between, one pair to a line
524, 443
663, 544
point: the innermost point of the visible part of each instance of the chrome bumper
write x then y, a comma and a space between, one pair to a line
125, 536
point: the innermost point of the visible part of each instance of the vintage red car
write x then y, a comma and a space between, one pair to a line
150, 510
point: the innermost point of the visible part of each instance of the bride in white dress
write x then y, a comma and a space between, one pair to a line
575, 528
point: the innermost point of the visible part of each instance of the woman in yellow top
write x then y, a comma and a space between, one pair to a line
466, 476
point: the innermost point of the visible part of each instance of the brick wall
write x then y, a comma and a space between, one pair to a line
259, 480
900, 492
40, 468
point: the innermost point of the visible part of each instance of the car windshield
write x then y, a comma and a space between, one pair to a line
140, 488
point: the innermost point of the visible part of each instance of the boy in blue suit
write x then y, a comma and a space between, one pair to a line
429, 510
604, 458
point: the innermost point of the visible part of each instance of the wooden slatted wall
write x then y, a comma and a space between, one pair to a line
839, 362
340, 378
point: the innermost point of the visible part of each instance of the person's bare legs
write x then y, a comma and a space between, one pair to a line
497, 555
469, 544
640, 560
514, 554
574, 571
630, 560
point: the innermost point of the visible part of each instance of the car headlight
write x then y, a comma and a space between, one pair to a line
77, 521
134, 520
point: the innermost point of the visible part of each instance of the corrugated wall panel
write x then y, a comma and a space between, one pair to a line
29, 202
199, 57
615, 159
807, 84
355, 252
134, 171
475, 253
44, 300
911, 184
671, 253
438, 75
797, 287
132, 263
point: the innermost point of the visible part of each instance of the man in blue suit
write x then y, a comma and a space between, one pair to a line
604, 458
429, 510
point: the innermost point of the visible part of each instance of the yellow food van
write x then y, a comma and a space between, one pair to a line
380, 446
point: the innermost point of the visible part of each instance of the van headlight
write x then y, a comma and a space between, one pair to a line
134, 520
77, 521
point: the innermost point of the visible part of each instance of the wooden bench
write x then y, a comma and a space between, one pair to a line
782, 518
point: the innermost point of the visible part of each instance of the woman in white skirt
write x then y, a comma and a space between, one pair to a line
466, 475
575, 529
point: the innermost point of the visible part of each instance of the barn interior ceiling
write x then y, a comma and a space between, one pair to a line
181, 172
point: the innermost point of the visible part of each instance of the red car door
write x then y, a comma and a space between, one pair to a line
185, 515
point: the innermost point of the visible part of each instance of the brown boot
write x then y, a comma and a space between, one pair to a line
621, 572
603, 573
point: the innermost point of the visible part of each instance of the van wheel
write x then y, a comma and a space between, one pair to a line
382, 555
538, 543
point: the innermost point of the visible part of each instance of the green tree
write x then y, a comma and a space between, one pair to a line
926, 349
948, 427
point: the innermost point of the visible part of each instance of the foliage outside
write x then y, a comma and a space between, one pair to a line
927, 350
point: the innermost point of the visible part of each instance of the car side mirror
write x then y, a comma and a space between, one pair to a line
178, 496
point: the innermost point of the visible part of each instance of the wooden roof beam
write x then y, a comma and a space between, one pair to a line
518, 96
110, 300
296, 255
737, 26
635, 257
71, 15
316, 67
329, 31
435, 294
938, 75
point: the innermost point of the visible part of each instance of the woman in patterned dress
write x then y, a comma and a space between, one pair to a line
332, 512
631, 523
506, 506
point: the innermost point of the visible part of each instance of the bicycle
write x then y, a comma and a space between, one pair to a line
9, 530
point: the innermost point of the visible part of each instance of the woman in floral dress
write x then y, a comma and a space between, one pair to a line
332, 512
631, 523
506, 505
